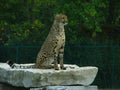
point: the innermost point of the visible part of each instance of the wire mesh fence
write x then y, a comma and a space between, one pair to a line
106, 58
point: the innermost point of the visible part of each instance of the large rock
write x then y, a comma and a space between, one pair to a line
73, 75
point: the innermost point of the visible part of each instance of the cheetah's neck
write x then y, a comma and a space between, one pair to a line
58, 27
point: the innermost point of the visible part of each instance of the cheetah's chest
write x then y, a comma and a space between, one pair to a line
61, 40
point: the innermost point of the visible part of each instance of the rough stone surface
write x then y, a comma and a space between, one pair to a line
73, 75
68, 88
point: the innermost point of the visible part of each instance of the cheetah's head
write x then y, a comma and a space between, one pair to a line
61, 19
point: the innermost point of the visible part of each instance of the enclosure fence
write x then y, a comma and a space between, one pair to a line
106, 58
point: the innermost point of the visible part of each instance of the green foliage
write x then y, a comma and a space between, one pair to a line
24, 33
22, 19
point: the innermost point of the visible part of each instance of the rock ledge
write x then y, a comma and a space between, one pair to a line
73, 75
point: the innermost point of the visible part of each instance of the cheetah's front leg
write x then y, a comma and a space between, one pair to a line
55, 60
61, 54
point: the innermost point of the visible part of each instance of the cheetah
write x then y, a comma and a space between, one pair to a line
53, 46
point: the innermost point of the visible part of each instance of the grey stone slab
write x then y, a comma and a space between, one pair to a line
73, 75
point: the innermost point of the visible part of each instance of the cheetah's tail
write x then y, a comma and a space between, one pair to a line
20, 66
